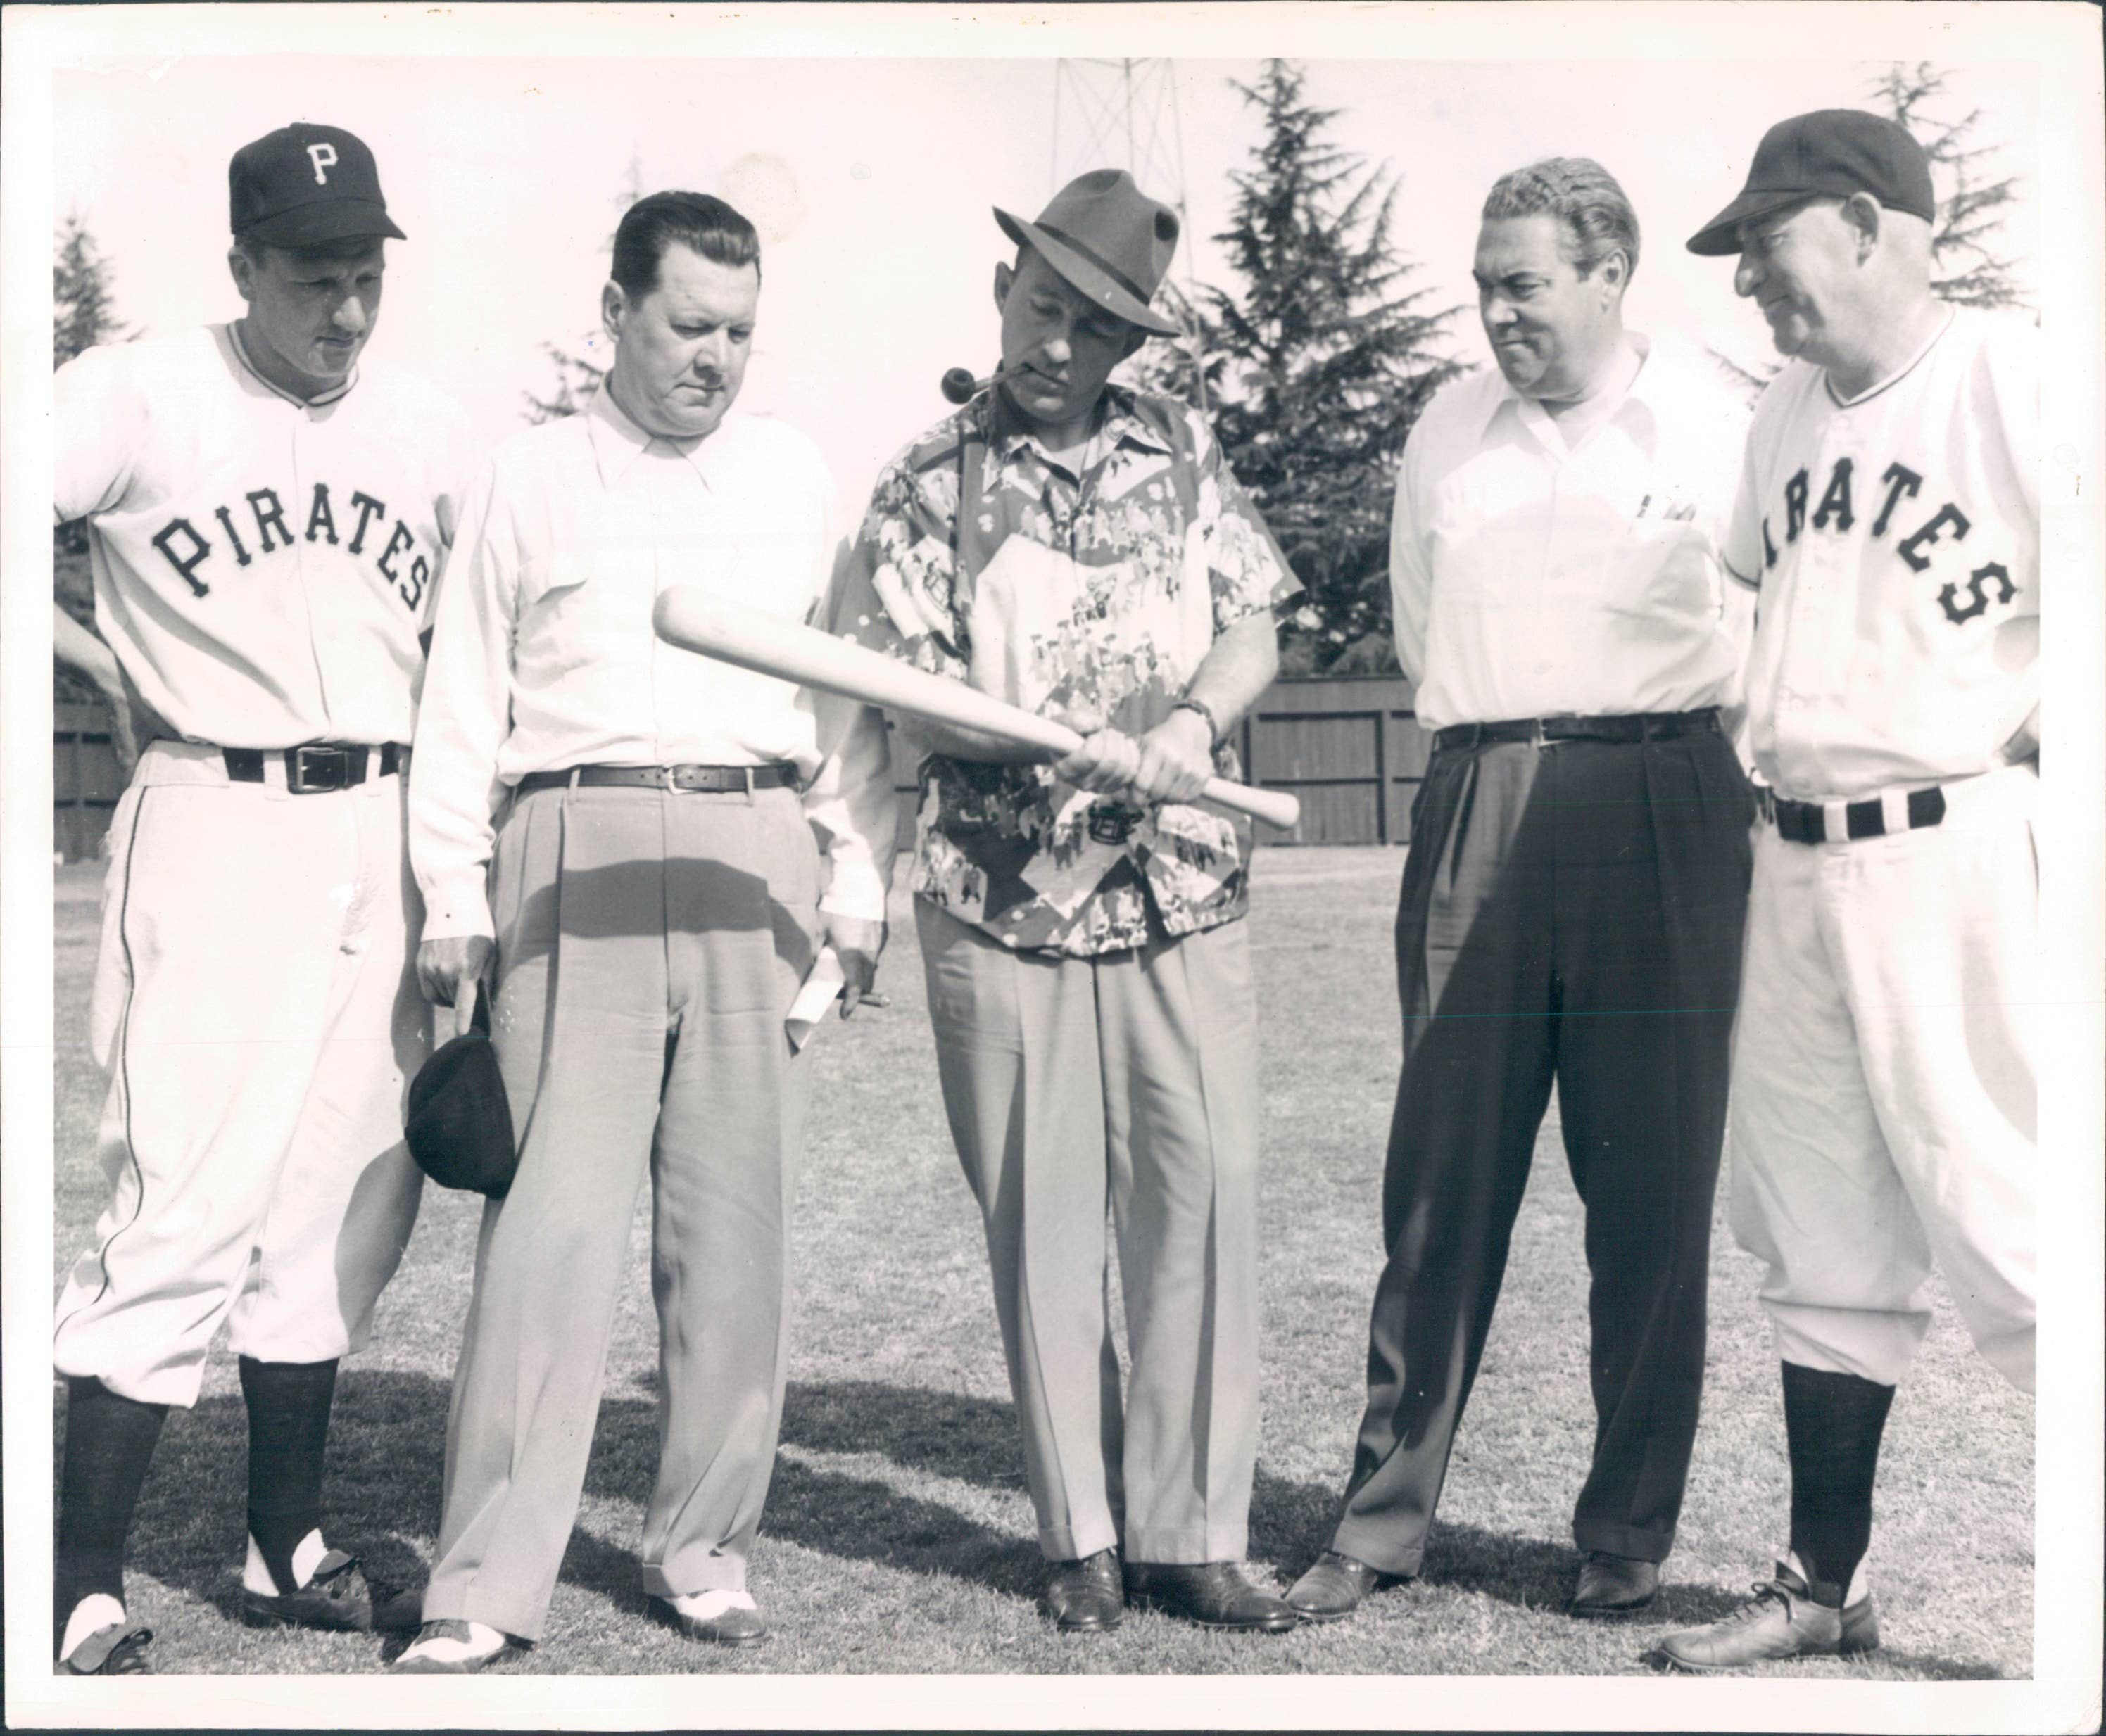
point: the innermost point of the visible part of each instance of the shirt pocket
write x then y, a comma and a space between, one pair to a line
1653, 564
566, 608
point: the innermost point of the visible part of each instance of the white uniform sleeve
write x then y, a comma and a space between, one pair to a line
98, 419
465, 716
849, 803
1742, 549
1410, 575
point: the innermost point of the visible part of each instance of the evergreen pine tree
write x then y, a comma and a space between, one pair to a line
1318, 366
83, 294
84, 314
1970, 200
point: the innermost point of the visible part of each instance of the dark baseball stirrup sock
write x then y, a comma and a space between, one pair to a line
110, 1442
1832, 1425
289, 1416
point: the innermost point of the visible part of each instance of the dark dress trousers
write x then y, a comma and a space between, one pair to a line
1572, 912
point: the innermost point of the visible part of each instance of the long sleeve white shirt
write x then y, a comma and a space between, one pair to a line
1533, 579
543, 656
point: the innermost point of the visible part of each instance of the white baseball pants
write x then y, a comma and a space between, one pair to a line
256, 1012
1883, 1110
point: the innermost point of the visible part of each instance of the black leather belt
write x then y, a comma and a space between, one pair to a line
314, 766
1644, 726
1806, 822
704, 779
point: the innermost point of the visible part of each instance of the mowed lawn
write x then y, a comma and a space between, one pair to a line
898, 1535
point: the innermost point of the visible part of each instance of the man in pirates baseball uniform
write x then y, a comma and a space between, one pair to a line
268, 515
634, 835
1572, 904
1884, 1076
1083, 551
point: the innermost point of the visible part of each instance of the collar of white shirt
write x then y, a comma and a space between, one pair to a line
617, 442
1657, 379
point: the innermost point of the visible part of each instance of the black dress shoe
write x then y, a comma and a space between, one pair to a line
1614, 1585
337, 1599
396, 1610
1087, 1596
1332, 1589
119, 1650
1214, 1595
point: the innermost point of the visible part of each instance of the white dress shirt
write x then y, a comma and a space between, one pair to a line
1533, 579
543, 655
1896, 542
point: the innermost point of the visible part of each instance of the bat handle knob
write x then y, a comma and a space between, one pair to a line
958, 384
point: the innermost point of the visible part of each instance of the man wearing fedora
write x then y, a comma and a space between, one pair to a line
1885, 1067
1083, 550
269, 514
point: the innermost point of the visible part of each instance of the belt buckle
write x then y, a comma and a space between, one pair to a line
1112, 822
313, 770
1541, 738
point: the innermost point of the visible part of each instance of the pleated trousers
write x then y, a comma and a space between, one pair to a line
1571, 914
1129, 1081
649, 944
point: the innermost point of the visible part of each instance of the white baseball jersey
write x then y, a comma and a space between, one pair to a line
263, 567
1894, 540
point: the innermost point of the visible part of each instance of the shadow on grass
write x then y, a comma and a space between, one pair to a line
387, 1453
975, 1440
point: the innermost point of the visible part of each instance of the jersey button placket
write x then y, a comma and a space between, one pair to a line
301, 422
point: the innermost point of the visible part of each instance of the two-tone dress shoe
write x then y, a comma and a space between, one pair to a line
1334, 1588
119, 1650
1087, 1596
1214, 1594
1612, 1586
714, 1618
454, 1648
336, 1598
1785, 1619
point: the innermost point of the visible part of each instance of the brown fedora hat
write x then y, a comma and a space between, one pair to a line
1107, 238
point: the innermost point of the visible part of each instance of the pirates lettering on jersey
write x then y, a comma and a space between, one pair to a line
404, 567
1987, 586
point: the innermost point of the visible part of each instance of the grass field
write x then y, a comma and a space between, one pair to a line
898, 1535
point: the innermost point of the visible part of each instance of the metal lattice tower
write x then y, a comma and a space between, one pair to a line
1123, 115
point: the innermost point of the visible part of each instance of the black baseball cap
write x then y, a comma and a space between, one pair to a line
1833, 151
458, 1121
305, 185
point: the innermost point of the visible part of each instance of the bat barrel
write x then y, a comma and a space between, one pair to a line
753, 639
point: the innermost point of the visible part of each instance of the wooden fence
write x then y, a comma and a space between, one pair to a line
1350, 748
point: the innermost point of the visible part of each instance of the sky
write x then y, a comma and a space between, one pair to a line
873, 181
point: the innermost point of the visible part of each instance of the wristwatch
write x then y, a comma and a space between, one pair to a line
1188, 703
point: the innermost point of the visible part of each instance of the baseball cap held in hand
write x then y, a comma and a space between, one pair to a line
458, 1126
306, 185
1832, 151
1107, 238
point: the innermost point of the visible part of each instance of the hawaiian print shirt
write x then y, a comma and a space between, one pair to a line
983, 559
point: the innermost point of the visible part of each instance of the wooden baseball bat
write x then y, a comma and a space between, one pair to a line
688, 617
